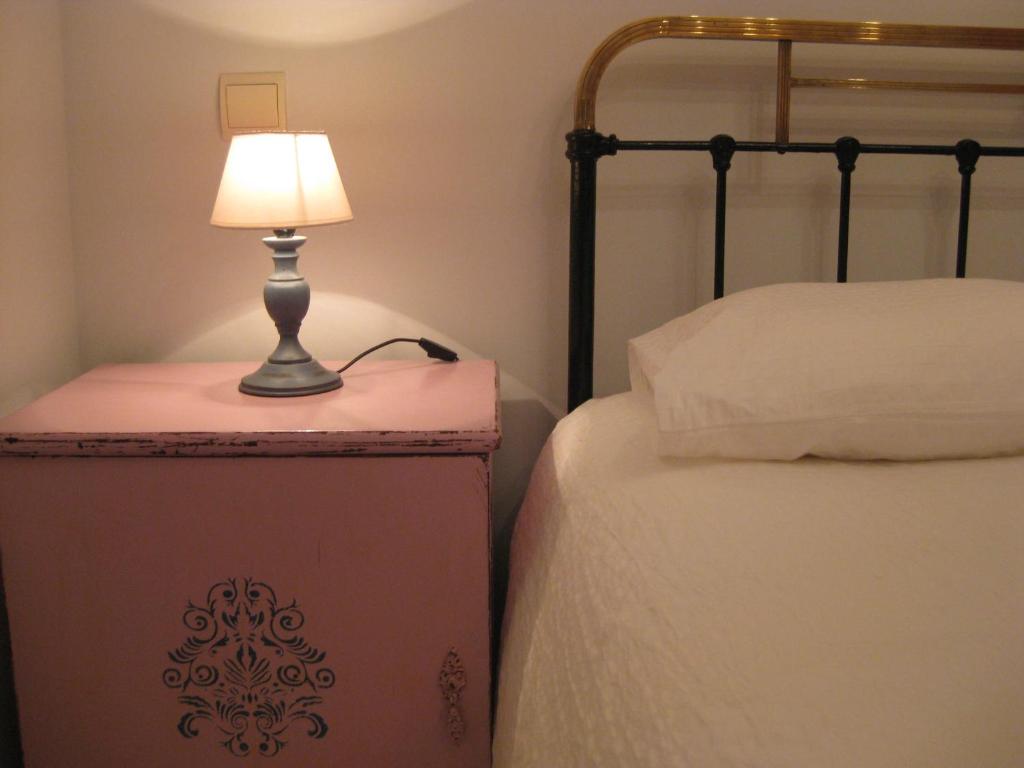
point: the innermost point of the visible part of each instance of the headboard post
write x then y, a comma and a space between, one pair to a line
583, 149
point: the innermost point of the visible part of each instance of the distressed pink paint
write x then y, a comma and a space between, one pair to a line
195, 409
386, 554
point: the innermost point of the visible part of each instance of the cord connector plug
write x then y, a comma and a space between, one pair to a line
438, 351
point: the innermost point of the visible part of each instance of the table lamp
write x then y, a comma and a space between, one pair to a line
283, 181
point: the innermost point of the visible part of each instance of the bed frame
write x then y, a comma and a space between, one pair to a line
586, 146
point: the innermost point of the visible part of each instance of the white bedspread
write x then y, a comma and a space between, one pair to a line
819, 614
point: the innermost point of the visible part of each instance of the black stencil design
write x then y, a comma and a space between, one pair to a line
246, 671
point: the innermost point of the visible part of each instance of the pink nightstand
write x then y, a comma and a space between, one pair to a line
196, 576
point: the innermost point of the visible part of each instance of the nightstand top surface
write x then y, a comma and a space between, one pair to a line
195, 409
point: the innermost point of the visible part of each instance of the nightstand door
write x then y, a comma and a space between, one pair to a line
223, 611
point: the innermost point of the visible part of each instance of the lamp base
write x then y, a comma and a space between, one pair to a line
290, 380
290, 371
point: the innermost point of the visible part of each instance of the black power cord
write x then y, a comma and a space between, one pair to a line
432, 348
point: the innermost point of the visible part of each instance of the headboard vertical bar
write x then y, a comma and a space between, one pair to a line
967, 153
722, 149
844, 228
847, 150
783, 90
720, 234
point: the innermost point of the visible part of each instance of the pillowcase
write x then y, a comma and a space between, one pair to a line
923, 369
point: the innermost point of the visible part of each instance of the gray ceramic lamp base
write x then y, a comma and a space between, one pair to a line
290, 371
289, 380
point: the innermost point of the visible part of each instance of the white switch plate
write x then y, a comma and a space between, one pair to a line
252, 101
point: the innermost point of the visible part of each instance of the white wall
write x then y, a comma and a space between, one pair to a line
449, 131
449, 134
38, 328
656, 212
38, 331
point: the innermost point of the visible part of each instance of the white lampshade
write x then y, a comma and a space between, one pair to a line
280, 181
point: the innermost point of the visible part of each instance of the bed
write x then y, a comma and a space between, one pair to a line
798, 540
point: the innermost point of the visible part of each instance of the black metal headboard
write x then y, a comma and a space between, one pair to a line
586, 145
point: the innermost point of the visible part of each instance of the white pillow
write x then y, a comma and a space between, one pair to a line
923, 369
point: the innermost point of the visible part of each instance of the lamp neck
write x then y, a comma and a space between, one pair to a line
286, 255
284, 232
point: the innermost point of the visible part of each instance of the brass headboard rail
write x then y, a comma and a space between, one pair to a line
785, 33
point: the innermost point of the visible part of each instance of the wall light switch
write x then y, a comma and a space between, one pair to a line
252, 101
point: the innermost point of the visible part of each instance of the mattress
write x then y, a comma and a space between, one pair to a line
689, 612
